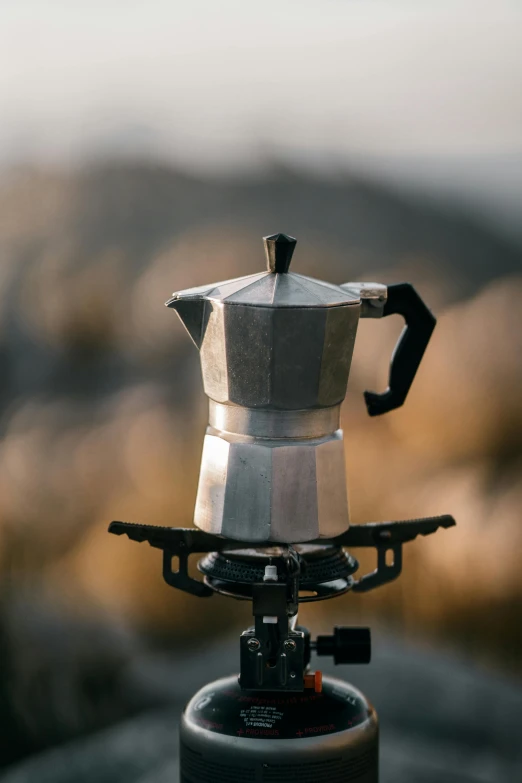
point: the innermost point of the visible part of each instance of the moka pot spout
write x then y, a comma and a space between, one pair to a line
191, 311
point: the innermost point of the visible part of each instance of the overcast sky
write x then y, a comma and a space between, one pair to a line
429, 88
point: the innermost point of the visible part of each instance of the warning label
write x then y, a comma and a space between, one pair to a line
226, 709
261, 716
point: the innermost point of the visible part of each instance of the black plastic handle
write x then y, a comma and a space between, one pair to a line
403, 300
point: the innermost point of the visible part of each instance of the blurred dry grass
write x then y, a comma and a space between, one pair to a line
103, 412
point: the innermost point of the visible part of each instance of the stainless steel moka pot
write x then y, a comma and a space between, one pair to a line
275, 351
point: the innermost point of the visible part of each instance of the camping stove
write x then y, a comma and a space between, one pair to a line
272, 519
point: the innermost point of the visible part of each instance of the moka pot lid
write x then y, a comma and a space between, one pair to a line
277, 287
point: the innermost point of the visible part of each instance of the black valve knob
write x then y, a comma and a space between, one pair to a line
346, 645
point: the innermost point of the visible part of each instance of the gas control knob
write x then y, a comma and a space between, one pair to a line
346, 645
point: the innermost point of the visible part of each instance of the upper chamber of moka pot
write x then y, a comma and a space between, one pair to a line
275, 351
273, 341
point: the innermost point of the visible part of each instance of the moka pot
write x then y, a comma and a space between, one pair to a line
275, 351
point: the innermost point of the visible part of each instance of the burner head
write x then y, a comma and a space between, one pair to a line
326, 571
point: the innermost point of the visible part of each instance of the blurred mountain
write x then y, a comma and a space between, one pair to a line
72, 240
141, 207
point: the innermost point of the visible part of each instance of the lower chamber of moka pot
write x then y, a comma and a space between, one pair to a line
232, 736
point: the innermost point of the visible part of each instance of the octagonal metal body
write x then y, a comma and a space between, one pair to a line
275, 349
281, 489
277, 358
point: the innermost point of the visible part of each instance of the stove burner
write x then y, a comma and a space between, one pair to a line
326, 571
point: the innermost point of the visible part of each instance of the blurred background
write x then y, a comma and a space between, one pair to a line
147, 147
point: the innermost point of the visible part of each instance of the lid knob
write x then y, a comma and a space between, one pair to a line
279, 249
